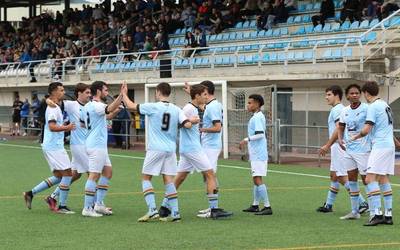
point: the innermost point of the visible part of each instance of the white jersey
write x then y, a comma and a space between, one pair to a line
94, 117
189, 141
74, 110
53, 141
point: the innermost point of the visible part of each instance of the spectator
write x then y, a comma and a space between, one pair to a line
387, 8
266, 19
35, 111
200, 37
327, 10
16, 116
216, 21
190, 42
349, 10
280, 11
188, 16
139, 37
25, 115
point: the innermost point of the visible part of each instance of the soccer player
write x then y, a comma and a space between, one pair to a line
352, 120
211, 129
333, 95
164, 119
94, 116
54, 152
257, 144
192, 156
379, 125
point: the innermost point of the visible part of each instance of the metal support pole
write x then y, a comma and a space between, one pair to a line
277, 145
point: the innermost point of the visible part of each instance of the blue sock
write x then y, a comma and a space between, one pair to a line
333, 191
64, 189
263, 193
386, 190
256, 196
375, 198
90, 190
354, 196
55, 193
149, 196
172, 195
212, 200
102, 188
49, 182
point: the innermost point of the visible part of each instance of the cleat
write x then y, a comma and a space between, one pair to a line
102, 209
363, 207
205, 215
164, 212
219, 213
265, 211
375, 220
204, 211
252, 209
28, 196
64, 210
90, 213
170, 219
351, 216
388, 220
325, 209
52, 203
148, 217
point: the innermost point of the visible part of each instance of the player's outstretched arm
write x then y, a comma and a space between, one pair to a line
396, 142
214, 129
364, 131
113, 114
115, 104
325, 149
128, 103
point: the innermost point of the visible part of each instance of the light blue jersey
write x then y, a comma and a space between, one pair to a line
334, 117
189, 140
379, 115
53, 141
257, 148
74, 110
354, 121
212, 115
94, 117
164, 119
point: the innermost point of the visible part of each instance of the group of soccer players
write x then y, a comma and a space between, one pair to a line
199, 147
361, 141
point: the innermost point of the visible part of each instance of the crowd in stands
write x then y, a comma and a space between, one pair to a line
138, 25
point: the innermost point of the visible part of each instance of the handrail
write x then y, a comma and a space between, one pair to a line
379, 24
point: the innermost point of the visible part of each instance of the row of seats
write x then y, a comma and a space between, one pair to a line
278, 32
229, 60
24, 72
315, 6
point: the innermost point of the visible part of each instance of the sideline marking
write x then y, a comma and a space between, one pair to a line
367, 245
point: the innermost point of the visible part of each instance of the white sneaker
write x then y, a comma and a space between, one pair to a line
102, 209
90, 213
205, 211
205, 215
351, 216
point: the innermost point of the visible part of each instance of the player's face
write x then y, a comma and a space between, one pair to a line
354, 95
84, 96
104, 93
202, 98
330, 98
59, 92
252, 105
367, 97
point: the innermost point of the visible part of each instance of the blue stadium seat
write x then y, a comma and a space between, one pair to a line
309, 29
345, 26
219, 37
249, 59
268, 33
261, 33
239, 25
327, 27
336, 54
253, 35
239, 35
246, 35
232, 49
247, 48
299, 31
373, 22
306, 18
395, 21
255, 47
270, 46
317, 6
335, 27
225, 37
337, 15
276, 32
218, 60
301, 7
309, 7
273, 57
253, 24
212, 38
246, 25
364, 24
318, 28
284, 31
97, 67
197, 61
369, 37
297, 19
354, 25
265, 58
225, 49
290, 56
226, 60
232, 36
281, 56
242, 59
308, 55
298, 56
327, 54
127, 66
348, 52
290, 20
133, 65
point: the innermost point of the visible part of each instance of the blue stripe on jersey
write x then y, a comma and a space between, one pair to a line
380, 114
53, 140
258, 150
212, 113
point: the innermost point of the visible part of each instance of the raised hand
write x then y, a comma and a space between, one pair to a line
186, 88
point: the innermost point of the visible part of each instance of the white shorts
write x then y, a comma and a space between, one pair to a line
356, 161
337, 158
157, 162
259, 168
58, 160
381, 161
193, 161
212, 155
80, 160
98, 159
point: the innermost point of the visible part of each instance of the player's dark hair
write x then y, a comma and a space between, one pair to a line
371, 88
164, 88
97, 85
80, 88
196, 89
53, 86
210, 86
336, 90
346, 91
258, 98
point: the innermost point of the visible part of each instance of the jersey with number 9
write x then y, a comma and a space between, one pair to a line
380, 116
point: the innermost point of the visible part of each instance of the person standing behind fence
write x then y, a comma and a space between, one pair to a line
25, 110
120, 128
16, 116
